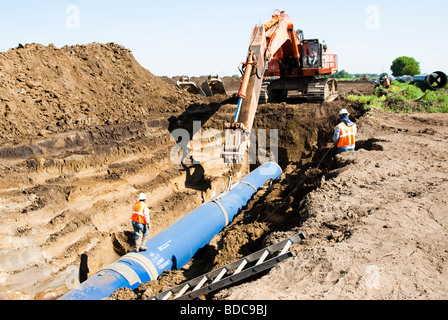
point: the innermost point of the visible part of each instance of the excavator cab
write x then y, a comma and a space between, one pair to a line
316, 58
312, 54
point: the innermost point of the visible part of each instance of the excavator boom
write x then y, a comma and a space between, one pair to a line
265, 40
276, 42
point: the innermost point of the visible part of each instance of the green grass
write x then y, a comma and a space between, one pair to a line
405, 98
371, 101
408, 91
436, 101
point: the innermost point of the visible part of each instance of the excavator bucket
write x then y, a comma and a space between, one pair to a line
236, 143
186, 84
213, 86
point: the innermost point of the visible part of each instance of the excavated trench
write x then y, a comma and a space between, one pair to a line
305, 153
66, 193
85, 129
66, 198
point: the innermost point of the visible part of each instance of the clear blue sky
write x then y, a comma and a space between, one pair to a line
171, 37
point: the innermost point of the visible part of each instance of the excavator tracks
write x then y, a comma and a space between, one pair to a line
321, 90
312, 89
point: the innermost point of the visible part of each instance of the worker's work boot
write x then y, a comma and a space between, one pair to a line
143, 247
138, 244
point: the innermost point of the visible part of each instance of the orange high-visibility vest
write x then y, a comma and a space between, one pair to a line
346, 135
138, 214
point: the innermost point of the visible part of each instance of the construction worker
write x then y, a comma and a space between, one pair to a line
140, 222
345, 133
384, 80
387, 83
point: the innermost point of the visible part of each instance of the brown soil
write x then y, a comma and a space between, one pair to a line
84, 129
374, 219
47, 90
376, 224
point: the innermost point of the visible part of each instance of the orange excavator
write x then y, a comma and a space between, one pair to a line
282, 61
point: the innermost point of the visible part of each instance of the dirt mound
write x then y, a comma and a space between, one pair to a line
355, 87
46, 90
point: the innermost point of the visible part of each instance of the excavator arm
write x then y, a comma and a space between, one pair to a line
266, 40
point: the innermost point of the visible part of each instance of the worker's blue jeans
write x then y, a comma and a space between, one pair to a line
342, 150
139, 227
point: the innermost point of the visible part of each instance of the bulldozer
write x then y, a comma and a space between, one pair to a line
280, 61
213, 86
186, 84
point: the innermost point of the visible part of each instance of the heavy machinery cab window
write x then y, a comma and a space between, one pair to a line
312, 54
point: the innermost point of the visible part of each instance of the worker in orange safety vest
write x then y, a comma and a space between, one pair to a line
141, 222
345, 133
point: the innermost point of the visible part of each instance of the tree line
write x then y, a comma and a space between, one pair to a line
401, 66
342, 74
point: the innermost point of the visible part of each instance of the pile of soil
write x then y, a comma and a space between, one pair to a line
44, 90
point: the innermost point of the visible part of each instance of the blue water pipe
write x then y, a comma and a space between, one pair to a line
175, 246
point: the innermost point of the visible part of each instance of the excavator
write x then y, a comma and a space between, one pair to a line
281, 61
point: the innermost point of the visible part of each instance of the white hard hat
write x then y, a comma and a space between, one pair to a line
343, 111
142, 197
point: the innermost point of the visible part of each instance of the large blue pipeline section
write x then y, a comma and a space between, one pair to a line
175, 246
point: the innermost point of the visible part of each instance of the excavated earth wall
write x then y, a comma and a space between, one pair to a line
84, 129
